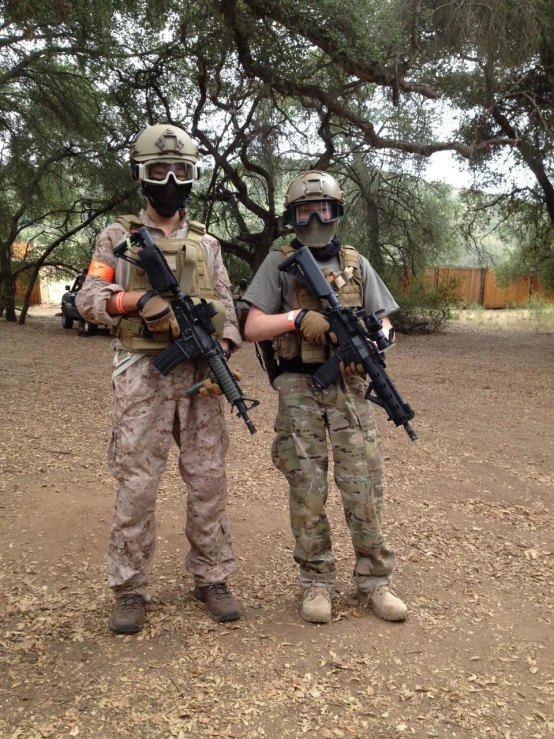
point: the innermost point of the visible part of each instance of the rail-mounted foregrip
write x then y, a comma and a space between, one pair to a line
360, 339
195, 322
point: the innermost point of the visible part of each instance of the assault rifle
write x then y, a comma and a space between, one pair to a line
360, 339
194, 320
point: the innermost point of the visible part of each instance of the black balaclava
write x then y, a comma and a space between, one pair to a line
167, 199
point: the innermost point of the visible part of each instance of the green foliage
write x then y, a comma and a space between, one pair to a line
268, 88
237, 269
528, 226
503, 84
488, 28
539, 308
423, 309
547, 273
400, 222
487, 237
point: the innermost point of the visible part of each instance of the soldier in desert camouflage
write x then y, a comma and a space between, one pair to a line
149, 410
283, 310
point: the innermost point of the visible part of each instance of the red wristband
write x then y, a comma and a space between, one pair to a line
119, 302
290, 318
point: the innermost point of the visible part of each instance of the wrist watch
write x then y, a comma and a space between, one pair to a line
141, 302
299, 317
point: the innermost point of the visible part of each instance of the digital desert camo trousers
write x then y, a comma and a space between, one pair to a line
149, 410
299, 451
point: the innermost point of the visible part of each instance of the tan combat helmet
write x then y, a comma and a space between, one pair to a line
313, 204
168, 144
313, 185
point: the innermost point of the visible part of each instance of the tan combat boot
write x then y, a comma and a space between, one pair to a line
386, 604
128, 615
218, 599
316, 603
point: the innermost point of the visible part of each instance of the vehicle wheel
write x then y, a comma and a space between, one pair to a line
89, 329
67, 321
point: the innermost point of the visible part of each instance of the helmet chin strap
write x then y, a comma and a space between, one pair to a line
315, 235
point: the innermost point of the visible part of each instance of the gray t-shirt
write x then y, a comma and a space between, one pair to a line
272, 291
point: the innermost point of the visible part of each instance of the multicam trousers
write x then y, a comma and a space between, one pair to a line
300, 453
148, 411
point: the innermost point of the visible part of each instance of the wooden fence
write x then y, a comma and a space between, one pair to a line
21, 288
20, 250
479, 286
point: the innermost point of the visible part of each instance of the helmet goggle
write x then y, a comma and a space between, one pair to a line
158, 171
327, 211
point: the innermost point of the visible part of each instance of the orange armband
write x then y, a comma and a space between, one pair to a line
104, 271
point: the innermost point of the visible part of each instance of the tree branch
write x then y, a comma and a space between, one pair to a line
310, 92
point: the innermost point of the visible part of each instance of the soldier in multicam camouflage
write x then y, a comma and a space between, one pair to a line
149, 410
283, 310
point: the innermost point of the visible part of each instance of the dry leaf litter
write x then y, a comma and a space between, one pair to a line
469, 511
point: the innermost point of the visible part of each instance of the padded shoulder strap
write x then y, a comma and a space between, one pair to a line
287, 250
196, 229
129, 222
351, 256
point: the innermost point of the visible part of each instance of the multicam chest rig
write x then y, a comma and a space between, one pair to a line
187, 260
293, 345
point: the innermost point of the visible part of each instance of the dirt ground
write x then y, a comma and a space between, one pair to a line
469, 511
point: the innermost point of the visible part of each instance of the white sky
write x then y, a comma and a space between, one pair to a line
444, 166
447, 167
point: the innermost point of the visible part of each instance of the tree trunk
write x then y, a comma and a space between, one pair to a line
261, 252
369, 185
254, 247
117, 199
533, 159
7, 283
29, 291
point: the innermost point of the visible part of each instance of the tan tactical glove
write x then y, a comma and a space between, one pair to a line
314, 328
211, 386
157, 314
352, 369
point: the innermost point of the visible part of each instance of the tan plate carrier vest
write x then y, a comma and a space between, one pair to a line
293, 344
187, 260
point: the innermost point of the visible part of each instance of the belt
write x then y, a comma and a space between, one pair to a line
298, 366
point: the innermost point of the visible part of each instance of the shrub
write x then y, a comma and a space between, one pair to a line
424, 309
539, 307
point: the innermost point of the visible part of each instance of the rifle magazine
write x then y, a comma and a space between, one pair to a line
170, 358
327, 373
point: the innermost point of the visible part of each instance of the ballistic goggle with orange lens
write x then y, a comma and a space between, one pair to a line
158, 172
327, 211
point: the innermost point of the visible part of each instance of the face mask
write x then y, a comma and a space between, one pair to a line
167, 199
316, 234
